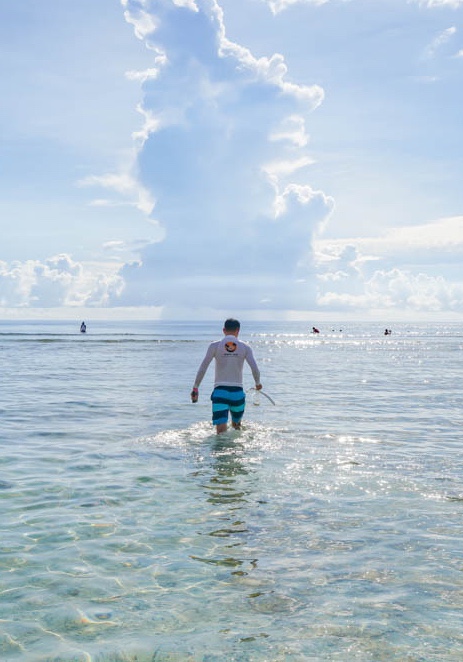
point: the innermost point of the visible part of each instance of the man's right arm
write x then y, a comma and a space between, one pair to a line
202, 371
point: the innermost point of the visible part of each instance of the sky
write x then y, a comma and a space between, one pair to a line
267, 159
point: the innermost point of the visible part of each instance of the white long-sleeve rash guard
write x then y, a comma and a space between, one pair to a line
230, 355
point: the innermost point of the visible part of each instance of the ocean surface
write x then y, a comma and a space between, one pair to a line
329, 528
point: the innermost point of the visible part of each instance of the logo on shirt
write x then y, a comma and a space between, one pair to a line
230, 346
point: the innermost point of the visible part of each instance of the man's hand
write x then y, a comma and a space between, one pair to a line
194, 395
258, 387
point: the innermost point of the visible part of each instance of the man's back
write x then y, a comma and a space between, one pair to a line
230, 354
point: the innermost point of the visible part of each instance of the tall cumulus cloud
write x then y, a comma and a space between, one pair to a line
224, 153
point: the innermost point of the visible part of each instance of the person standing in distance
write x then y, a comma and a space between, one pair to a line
228, 394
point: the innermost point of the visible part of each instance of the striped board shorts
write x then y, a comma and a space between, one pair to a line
227, 399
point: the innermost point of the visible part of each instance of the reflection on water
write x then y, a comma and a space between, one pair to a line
228, 466
228, 489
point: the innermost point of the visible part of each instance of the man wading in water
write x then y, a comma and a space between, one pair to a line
228, 394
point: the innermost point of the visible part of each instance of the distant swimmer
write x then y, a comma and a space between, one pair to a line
315, 330
387, 332
83, 327
228, 395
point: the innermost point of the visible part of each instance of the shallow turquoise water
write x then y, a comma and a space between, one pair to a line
330, 528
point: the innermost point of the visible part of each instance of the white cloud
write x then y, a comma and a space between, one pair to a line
143, 22
143, 76
127, 186
437, 43
294, 196
399, 290
151, 73
291, 129
151, 124
58, 281
271, 69
115, 244
277, 6
285, 168
189, 4
123, 250
394, 270
441, 235
453, 4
